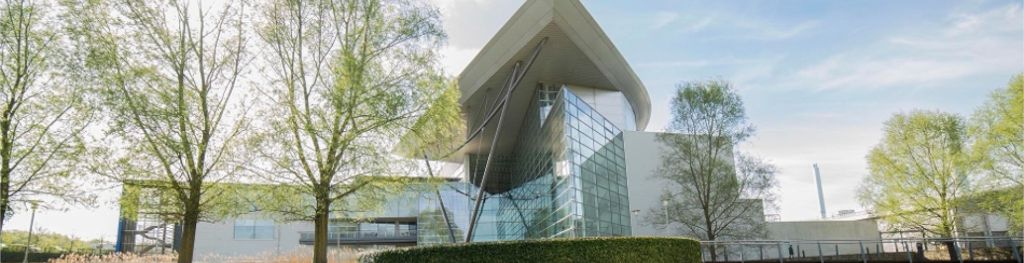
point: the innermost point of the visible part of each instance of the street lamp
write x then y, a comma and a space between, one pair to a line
664, 204
31, 225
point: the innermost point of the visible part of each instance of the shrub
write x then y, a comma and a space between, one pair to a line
297, 256
115, 258
17, 256
611, 249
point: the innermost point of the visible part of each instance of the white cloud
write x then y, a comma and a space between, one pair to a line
752, 29
778, 33
845, 71
699, 25
470, 23
454, 60
664, 18
1006, 19
677, 63
967, 45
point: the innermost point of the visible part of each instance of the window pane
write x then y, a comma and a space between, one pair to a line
243, 232
263, 232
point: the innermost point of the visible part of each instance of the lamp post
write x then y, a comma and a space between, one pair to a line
664, 204
31, 225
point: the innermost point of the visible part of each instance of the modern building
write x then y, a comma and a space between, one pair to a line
556, 148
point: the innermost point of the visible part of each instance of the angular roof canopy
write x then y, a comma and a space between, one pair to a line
577, 52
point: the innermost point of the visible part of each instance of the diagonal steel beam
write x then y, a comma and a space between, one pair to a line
518, 72
444, 211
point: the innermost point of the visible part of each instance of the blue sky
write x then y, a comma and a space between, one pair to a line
818, 77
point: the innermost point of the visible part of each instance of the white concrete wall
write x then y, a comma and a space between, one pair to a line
611, 104
217, 239
985, 224
643, 157
864, 229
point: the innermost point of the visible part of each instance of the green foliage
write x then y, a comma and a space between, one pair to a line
710, 108
441, 128
44, 108
349, 79
43, 241
158, 197
611, 249
18, 256
294, 203
712, 195
997, 132
170, 72
918, 172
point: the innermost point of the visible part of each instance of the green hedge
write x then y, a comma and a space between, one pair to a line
611, 249
18, 256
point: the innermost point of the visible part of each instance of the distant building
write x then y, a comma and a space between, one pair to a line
395, 223
831, 230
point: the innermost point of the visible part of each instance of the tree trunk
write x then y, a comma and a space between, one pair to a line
713, 252
3, 216
5, 186
188, 235
320, 223
711, 237
954, 255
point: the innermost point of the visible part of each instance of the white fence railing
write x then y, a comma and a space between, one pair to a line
975, 249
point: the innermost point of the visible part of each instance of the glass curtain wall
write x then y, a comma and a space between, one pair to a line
431, 218
568, 173
597, 165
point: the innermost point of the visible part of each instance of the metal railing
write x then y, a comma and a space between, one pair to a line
891, 250
355, 236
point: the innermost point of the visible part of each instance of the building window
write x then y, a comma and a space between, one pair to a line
254, 229
546, 95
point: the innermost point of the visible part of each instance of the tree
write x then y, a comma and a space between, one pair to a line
349, 76
172, 69
918, 172
43, 108
711, 196
997, 132
47, 241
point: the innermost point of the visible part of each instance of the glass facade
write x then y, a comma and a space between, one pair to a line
597, 164
456, 205
565, 178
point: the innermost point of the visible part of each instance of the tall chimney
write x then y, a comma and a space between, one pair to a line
821, 195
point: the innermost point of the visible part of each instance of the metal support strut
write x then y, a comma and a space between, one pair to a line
444, 212
517, 76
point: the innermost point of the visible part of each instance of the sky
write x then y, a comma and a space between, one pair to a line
818, 78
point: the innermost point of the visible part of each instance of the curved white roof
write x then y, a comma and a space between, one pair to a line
577, 52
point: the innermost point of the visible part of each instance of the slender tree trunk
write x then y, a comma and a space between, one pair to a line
320, 223
188, 235
3, 215
4, 204
950, 244
188, 239
954, 255
5, 173
711, 236
714, 248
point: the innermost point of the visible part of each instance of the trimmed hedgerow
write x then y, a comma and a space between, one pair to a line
608, 249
